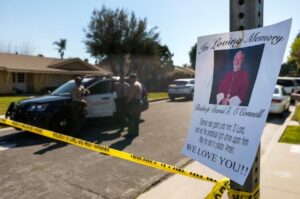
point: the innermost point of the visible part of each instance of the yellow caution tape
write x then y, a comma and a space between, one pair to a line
216, 192
103, 149
224, 184
255, 194
218, 189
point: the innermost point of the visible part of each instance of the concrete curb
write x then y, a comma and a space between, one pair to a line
160, 99
6, 129
276, 138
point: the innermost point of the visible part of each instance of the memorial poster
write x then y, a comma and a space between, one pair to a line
235, 78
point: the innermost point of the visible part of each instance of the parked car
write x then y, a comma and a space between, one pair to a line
53, 111
280, 100
297, 79
181, 88
289, 84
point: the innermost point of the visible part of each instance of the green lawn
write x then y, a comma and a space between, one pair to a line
296, 115
5, 102
157, 95
291, 135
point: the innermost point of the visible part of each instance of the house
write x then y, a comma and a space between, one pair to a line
31, 74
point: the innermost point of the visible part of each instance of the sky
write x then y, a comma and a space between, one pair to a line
38, 23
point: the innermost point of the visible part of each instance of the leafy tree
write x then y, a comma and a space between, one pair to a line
114, 37
288, 69
295, 51
61, 47
166, 56
192, 55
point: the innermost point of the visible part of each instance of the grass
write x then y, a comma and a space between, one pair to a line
157, 95
296, 116
291, 135
5, 102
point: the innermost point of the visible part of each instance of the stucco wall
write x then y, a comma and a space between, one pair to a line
38, 82
35, 82
5, 82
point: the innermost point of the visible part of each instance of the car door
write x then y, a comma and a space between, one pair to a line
101, 100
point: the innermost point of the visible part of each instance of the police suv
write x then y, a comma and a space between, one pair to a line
53, 111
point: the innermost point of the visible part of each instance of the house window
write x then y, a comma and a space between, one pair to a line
18, 78
21, 77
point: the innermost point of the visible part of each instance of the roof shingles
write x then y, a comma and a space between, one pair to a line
36, 64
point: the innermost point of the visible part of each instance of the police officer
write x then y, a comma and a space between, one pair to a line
134, 106
79, 104
122, 89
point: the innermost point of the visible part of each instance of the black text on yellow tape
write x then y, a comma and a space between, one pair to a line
255, 194
106, 150
218, 189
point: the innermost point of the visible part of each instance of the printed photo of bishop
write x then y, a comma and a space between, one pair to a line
235, 72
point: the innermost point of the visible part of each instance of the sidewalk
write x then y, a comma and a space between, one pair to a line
179, 187
280, 175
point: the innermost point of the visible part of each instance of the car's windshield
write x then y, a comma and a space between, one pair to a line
66, 88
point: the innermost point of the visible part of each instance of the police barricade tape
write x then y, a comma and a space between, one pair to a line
255, 194
218, 189
216, 192
224, 184
105, 150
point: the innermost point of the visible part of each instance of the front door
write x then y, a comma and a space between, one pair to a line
19, 82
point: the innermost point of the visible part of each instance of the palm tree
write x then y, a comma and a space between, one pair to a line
61, 47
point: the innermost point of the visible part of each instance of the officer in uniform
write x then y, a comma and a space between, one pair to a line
79, 104
122, 89
134, 106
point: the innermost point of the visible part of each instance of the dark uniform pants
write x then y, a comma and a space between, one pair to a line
78, 114
122, 112
134, 115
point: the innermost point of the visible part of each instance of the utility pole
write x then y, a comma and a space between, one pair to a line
247, 14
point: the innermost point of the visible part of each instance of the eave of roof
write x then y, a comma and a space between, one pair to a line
68, 61
57, 72
35, 64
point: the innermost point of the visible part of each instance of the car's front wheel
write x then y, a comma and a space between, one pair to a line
171, 97
61, 123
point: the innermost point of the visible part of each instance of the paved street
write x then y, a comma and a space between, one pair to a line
32, 166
